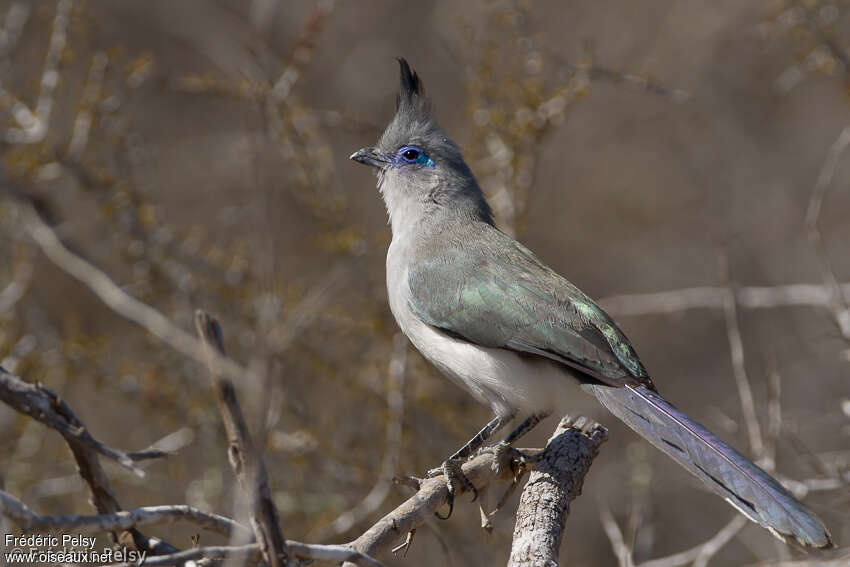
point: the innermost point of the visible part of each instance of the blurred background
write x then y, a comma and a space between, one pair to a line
197, 153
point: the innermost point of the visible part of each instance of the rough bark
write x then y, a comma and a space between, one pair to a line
555, 481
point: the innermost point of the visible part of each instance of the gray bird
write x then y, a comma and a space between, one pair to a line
493, 317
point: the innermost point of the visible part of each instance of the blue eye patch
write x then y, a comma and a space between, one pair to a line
413, 155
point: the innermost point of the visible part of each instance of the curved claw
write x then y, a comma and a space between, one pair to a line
450, 500
454, 475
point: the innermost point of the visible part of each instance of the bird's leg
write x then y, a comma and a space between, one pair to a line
526, 426
451, 466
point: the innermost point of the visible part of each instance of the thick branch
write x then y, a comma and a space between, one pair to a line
555, 481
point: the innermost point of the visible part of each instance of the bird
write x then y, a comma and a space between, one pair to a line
494, 318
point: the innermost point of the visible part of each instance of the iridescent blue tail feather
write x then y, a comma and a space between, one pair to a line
724, 470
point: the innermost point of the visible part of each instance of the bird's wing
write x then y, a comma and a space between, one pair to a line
501, 295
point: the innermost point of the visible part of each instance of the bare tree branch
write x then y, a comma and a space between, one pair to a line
379, 493
710, 297
704, 551
116, 299
251, 554
482, 471
839, 299
44, 405
615, 536
16, 289
13, 24
34, 126
29, 521
152, 320
246, 460
555, 481
739, 368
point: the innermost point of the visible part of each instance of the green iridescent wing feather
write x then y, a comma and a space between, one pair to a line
508, 298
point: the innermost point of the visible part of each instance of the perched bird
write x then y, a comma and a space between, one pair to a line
492, 316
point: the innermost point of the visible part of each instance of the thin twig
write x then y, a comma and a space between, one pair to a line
709, 297
154, 321
29, 521
16, 289
615, 537
839, 298
715, 544
44, 405
84, 118
704, 550
13, 25
739, 368
251, 553
395, 404
774, 416
245, 458
117, 299
34, 131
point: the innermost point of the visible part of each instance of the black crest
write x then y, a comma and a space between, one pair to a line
411, 93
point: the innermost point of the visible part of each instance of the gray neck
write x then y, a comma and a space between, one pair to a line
424, 208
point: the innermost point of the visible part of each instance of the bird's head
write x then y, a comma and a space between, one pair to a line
420, 169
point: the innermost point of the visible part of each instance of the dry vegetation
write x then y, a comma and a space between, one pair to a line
687, 162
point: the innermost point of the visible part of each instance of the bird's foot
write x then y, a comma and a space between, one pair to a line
455, 479
505, 455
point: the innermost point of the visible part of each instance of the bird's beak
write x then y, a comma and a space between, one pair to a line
370, 156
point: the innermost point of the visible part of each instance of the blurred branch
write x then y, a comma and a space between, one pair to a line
839, 561
709, 297
301, 50
395, 404
615, 536
700, 554
645, 84
44, 405
246, 460
555, 481
836, 51
251, 554
739, 368
29, 521
114, 297
34, 126
13, 24
152, 320
838, 300
16, 289
84, 118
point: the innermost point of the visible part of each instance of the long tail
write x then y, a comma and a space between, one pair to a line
726, 472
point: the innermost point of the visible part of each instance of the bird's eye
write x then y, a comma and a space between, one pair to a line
413, 156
